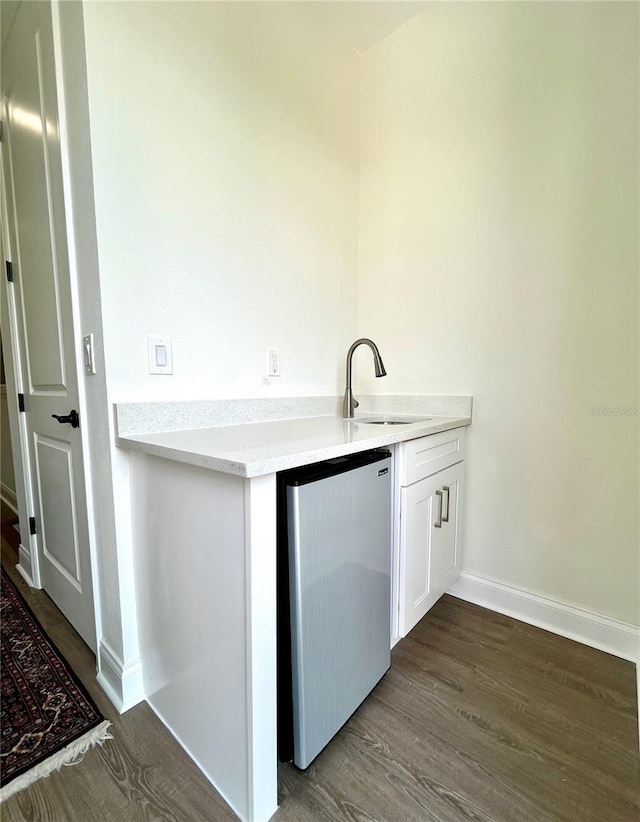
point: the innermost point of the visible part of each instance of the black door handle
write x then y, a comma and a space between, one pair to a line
72, 418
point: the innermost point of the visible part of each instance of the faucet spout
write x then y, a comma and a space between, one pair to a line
350, 403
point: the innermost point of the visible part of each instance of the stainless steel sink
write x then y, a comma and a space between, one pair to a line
388, 420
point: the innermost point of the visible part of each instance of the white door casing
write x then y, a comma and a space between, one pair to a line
37, 248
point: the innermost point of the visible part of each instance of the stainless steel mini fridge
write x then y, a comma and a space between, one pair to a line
337, 525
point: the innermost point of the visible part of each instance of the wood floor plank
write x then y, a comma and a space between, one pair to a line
602, 730
467, 759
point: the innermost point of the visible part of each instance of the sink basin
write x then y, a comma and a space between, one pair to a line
388, 420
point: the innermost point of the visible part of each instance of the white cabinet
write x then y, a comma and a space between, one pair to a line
431, 479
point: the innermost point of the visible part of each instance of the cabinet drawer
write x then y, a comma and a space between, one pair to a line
423, 457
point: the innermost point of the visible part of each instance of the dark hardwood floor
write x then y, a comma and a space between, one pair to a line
480, 718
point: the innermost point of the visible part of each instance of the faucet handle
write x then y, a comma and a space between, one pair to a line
355, 402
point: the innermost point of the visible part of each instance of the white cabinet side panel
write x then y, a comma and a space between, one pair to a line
190, 573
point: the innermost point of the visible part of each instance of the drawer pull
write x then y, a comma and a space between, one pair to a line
438, 522
446, 488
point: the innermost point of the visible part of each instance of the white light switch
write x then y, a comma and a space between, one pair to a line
160, 355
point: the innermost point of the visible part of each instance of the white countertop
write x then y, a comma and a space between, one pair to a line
254, 449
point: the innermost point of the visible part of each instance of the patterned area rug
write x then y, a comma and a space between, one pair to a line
48, 719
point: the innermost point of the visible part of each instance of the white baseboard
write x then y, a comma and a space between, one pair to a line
605, 634
8, 496
24, 565
122, 683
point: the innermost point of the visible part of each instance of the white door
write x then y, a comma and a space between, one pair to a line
37, 247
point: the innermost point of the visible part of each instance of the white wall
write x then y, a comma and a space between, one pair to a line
225, 152
499, 258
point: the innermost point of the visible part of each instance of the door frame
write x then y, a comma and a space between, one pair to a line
28, 564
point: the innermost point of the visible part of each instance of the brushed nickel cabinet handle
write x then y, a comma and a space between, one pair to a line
446, 488
438, 522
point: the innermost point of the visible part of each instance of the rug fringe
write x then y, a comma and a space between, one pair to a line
71, 755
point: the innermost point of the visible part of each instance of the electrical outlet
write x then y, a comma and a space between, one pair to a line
273, 364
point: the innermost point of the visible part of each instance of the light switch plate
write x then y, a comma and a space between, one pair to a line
160, 355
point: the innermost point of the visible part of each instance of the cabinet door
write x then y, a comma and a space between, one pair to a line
447, 559
430, 557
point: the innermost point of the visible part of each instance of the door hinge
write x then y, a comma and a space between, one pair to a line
21, 406
9, 267
32, 525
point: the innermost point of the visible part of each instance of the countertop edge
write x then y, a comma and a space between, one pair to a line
260, 467
211, 463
